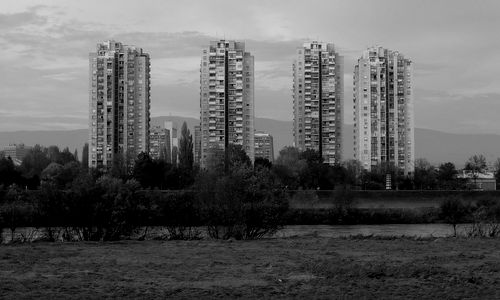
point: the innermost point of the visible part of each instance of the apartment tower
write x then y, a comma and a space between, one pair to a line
383, 110
264, 147
158, 142
226, 100
318, 99
119, 103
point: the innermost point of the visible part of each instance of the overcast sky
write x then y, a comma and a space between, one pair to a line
454, 46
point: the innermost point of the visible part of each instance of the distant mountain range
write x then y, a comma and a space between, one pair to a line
435, 146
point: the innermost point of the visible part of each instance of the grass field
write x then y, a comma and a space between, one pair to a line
302, 268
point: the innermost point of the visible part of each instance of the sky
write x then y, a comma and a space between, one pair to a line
454, 47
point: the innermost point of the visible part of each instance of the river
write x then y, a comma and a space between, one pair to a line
334, 231
328, 231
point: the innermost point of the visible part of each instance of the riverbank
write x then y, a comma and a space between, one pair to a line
301, 267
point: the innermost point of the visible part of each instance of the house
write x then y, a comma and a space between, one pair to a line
482, 181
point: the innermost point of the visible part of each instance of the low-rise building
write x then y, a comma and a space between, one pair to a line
483, 181
16, 152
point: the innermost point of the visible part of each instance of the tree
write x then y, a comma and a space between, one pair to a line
315, 175
175, 155
237, 157
60, 176
144, 170
53, 153
446, 176
35, 161
353, 170
186, 158
476, 164
288, 156
15, 211
497, 171
261, 162
65, 157
8, 172
53, 174
85, 156
447, 171
454, 211
375, 178
425, 175
163, 154
119, 166
311, 156
288, 167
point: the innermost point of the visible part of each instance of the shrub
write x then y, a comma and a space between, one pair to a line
453, 212
485, 219
181, 216
242, 204
342, 201
107, 209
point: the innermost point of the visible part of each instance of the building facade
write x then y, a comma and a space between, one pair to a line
383, 110
119, 103
226, 100
16, 152
173, 142
264, 147
158, 142
318, 100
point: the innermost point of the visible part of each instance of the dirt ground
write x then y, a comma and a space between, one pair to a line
302, 268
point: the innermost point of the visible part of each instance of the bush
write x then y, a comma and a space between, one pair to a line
242, 204
181, 215
107, 209
343, 199
453, 212
485, 219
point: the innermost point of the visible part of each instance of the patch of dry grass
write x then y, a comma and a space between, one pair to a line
292, 268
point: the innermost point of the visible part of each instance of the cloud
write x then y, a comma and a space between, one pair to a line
45, 50
10, 21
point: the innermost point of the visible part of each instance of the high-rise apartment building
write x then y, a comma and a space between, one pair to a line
383, 110
264, 146
226, 100
318, 99
119, 103
158, 140
173, 142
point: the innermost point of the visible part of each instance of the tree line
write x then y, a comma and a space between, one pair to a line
292, 170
